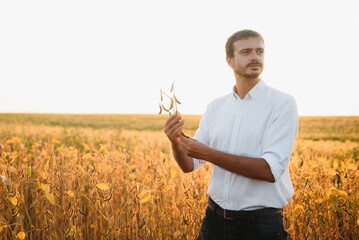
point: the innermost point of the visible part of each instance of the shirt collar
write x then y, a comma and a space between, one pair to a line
253, 93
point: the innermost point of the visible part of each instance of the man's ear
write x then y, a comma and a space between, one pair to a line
229, 61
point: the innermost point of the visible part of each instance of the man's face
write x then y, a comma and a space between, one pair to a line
248, 57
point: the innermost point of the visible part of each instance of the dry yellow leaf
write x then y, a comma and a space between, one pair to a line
13, 140
70, 193
50, 197
335, 164
167, 189
356, 178
173, 173
86, 147
71, 230
13, 200
333, 190
298, 209
103, 168
102, 186
343, 193
132, 167
351, 166
2, 228
21, 235
45, 187
132, 176
144, 196
88, 157
332, 172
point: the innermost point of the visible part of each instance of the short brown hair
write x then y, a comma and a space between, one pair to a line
243, 34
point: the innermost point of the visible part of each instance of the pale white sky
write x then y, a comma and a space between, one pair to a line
73, 56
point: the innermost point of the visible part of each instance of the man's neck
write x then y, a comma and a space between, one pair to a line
244, 85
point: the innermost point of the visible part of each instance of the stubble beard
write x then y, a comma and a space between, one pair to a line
242, 73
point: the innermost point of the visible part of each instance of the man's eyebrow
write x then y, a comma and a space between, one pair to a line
246, 49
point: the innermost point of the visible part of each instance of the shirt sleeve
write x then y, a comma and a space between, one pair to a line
202, 135
279, 139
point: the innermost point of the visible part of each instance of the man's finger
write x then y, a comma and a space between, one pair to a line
177, 131
172, 119
184, 138
170, 129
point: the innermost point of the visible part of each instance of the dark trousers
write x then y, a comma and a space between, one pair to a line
216, 227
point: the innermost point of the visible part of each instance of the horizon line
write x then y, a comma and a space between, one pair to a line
138, 113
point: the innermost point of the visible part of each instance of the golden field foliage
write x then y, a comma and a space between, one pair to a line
113, 177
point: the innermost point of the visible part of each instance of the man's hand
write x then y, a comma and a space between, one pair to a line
193, 148
173, 128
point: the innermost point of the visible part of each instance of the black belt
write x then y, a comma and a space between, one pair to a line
242, 215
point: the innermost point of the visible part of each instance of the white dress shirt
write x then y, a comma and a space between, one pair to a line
262, 125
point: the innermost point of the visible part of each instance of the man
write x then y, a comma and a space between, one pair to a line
248, 137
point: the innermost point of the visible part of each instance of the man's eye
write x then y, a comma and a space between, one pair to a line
260, 51
245, 52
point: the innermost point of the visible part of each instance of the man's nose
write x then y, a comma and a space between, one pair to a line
255, 56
